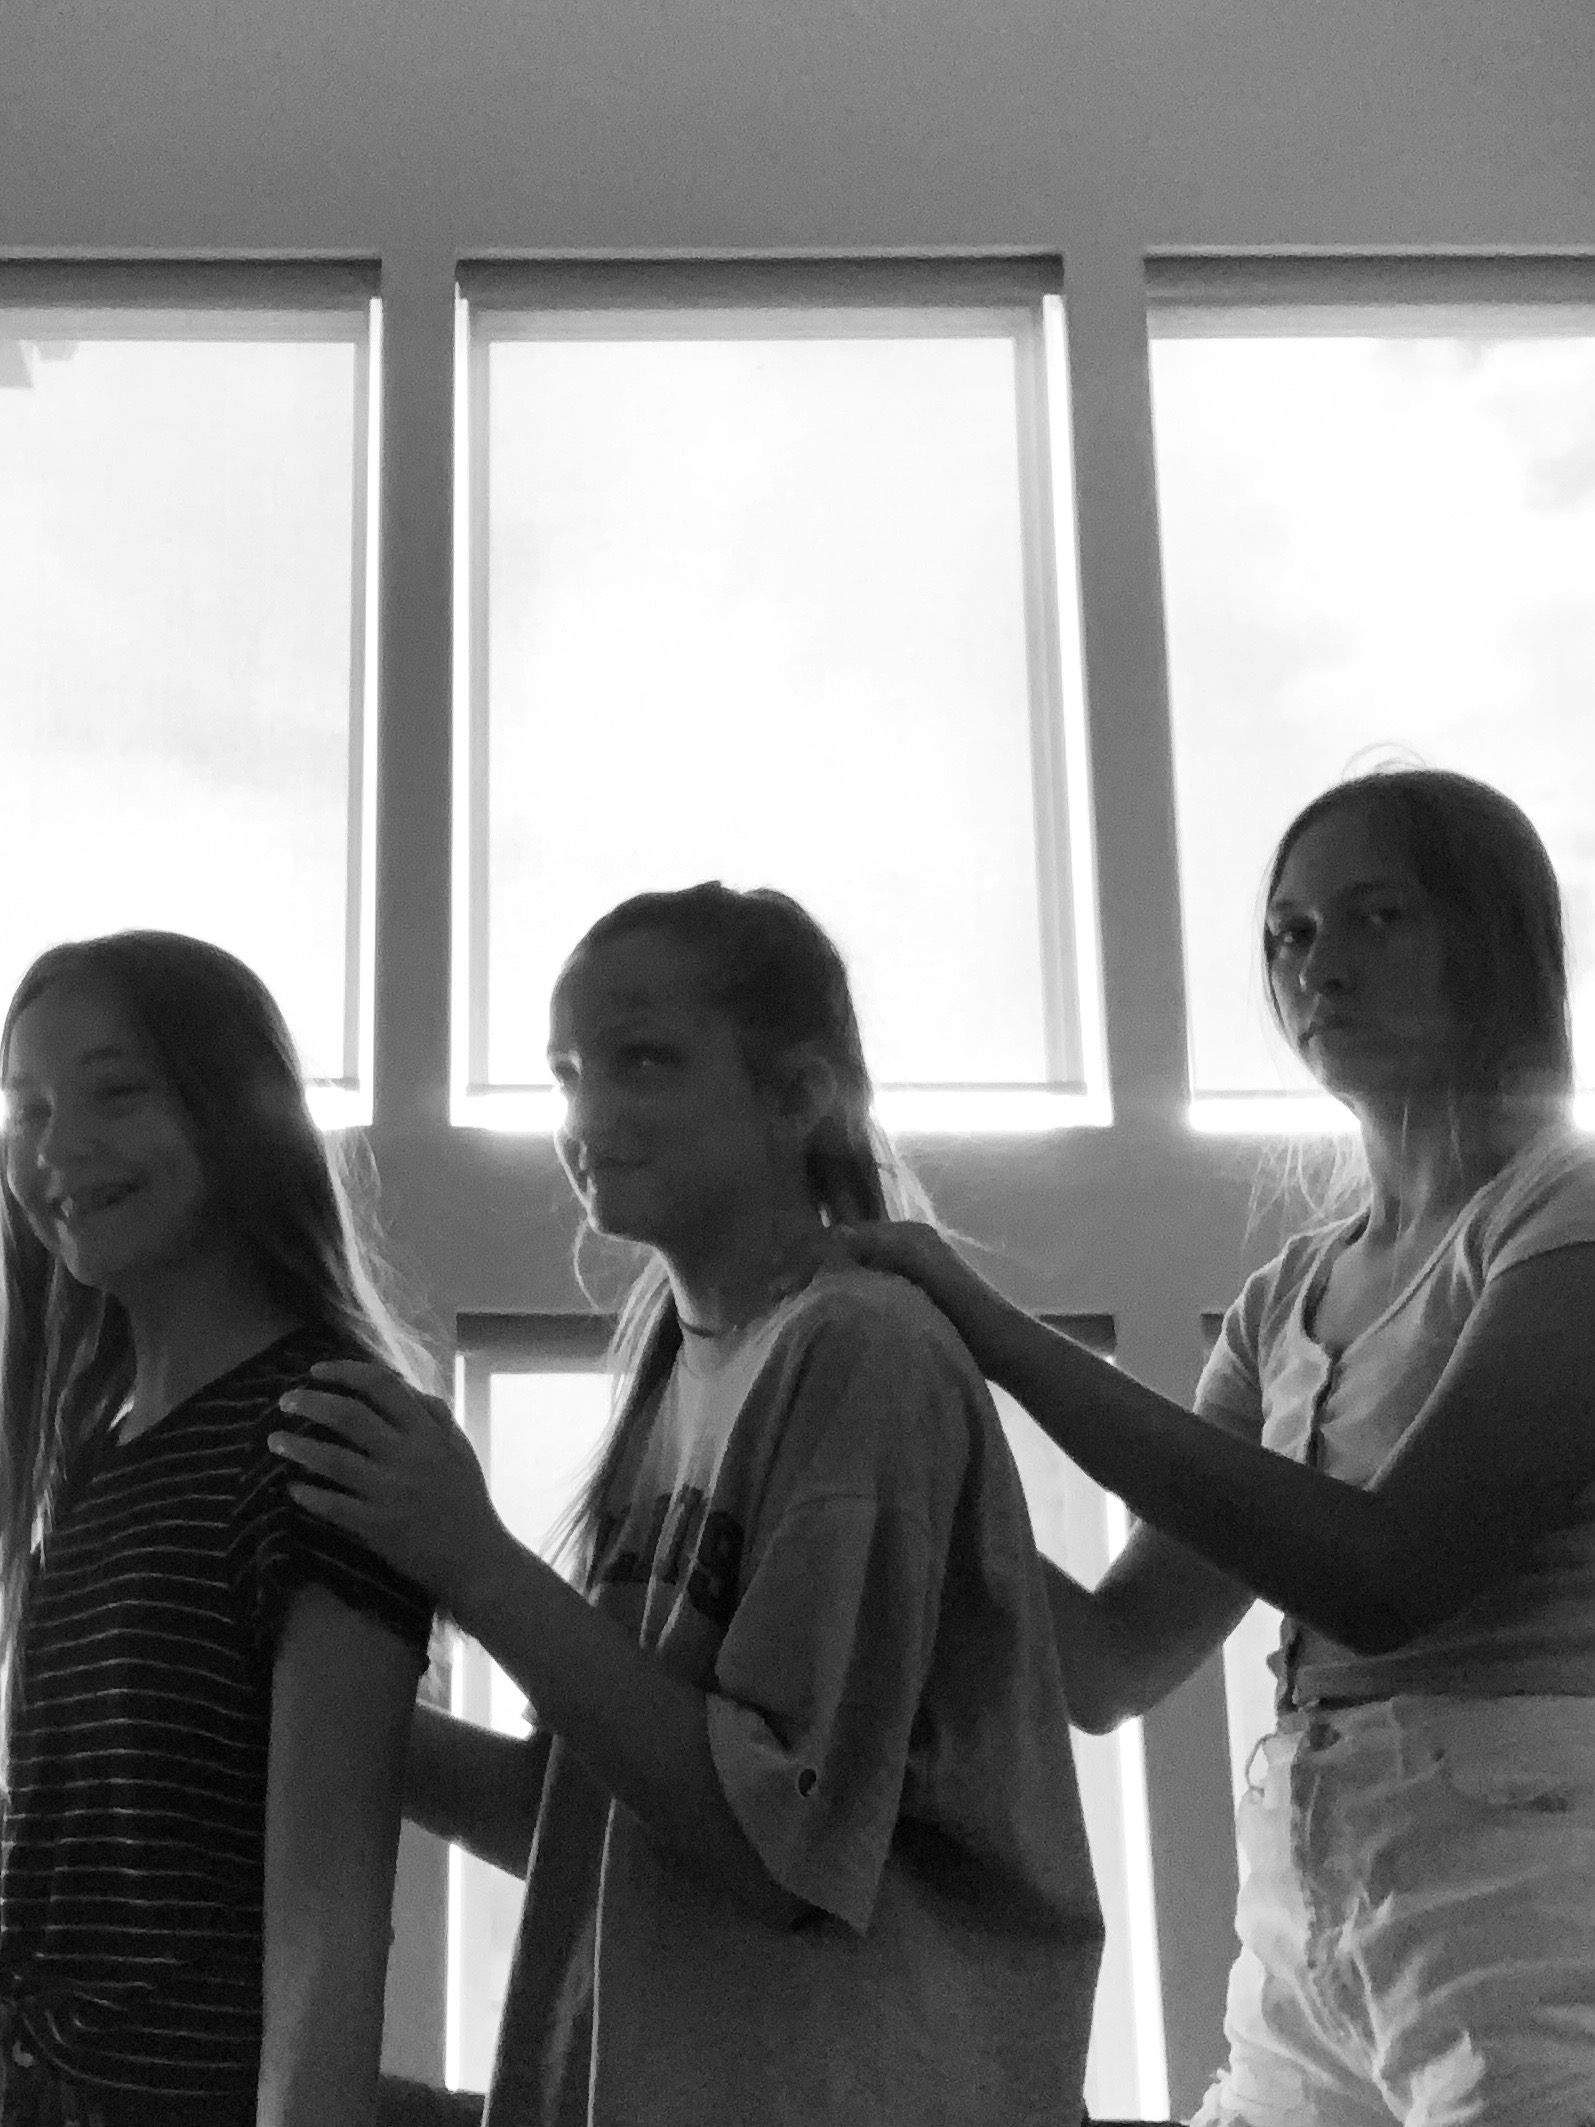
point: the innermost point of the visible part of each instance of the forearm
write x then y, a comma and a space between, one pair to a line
1096, 1678
1124, 1645
474, 1788
1319, 1549
642, 1732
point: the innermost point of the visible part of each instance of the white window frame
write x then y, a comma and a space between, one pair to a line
1265, 298
1018, 298
202, 300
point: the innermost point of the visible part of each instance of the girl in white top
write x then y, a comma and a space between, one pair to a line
799, 1816
1394, 1442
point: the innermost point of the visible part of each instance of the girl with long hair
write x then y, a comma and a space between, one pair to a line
804, 1838
1394, 1442
207, 1691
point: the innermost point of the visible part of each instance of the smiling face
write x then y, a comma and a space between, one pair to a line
99, 1153
666, 1139
1356, 957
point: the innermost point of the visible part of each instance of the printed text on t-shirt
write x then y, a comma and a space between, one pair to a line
678, 1530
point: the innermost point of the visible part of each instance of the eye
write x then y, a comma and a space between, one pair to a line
1289, 937
641, 1058
118, 1092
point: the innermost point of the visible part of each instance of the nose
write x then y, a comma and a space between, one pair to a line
1325, 968
601, 1120
574, 1122
590, 1114
64, 1136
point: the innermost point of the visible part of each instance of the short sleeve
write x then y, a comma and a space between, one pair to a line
817, 1684
1229, 1392
278, 1546
1553, 1206
826, 1658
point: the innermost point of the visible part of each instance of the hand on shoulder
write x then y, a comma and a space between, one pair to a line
911, 1249
397, 1472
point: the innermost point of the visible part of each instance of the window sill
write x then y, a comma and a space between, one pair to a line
907, 1111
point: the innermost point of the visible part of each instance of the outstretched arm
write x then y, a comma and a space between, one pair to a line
641, 1731
1489, 1463
473, 1787
1155, 1615
414, 1492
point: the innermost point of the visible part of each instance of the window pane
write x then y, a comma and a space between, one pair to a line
541, 1433
544, 1430
757, 609
1376, 538
181, 607
1081, 1528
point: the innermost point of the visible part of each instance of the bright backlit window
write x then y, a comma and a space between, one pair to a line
760, 580
1082, 1528
535, 1404
187, 472
1378, 523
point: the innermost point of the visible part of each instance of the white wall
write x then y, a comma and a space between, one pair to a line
1098, 129
387, 123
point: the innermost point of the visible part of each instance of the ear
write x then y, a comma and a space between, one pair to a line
804, 1094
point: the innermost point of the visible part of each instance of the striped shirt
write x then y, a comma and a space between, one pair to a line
133, 1839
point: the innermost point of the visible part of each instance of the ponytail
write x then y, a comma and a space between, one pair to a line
783, 984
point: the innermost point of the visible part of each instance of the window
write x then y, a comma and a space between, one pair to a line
534, 1400
187, 567
786, 546
1082, 1528
1377, 493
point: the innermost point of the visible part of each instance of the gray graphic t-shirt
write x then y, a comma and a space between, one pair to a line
822, 1527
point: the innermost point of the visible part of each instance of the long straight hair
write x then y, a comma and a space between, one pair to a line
296, 1201
765, 963
1487, 873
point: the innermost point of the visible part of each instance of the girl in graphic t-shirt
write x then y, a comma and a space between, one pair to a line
804, 1838
1394, 1442
208, 1692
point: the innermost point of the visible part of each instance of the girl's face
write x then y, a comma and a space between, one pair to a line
666, 1139
1358, 962
99, 1153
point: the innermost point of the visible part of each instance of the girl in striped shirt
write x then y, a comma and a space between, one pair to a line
207, 1691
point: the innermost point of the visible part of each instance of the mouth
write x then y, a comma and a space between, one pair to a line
1319, 1027
604, 1170
75, 1208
